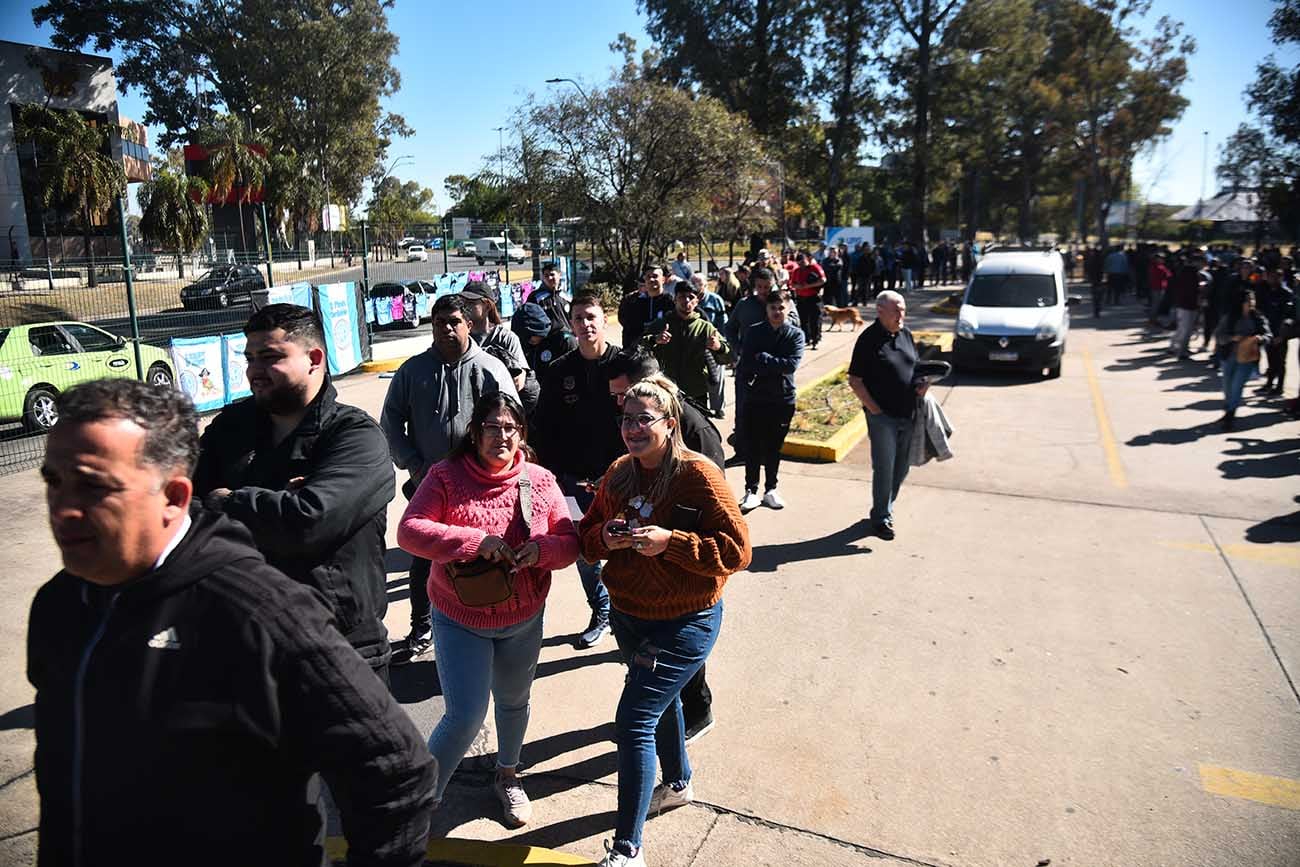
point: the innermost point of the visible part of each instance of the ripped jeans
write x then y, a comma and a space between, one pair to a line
661, 656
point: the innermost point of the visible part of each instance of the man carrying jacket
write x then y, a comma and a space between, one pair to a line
575, 435
426, 412
308, 476
187, 693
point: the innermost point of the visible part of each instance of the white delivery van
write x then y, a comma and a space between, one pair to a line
1015, 313
496, 250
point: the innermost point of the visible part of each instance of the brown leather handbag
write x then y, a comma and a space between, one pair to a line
480, 583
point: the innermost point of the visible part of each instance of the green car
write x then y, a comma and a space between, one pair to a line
40, 360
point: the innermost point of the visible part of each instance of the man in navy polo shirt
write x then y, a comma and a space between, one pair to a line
880, 374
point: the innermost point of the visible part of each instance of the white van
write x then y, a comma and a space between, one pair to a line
496, 250
1015, 313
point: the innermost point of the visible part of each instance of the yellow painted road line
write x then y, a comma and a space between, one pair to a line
481, 853
1275, 553
1107, 435
1231, 783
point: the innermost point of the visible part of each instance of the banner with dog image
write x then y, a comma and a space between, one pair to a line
200, 370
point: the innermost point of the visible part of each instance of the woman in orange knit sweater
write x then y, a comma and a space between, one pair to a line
671, 533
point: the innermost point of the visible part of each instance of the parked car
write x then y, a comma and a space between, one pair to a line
406, 242
433, 243
417, 253
466, 248
223, 285
497, 250
39, 361
1015, 313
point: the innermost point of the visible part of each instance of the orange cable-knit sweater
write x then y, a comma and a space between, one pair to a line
689, 575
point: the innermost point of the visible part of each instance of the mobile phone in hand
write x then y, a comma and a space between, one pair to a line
620, 529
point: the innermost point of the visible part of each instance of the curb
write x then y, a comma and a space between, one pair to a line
475, 853
841, 442
381, 366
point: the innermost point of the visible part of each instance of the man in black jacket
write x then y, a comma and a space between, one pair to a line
310, 477
187, 693
575, 435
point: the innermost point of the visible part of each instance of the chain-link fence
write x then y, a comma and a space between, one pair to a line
78, 319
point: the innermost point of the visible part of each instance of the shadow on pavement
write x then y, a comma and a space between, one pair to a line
1283, 528
399, 589
415, 682
547, 748
1262, 459
767, 558
571, 663
1179, 436
19, 718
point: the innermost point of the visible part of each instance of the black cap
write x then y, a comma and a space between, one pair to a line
477, 289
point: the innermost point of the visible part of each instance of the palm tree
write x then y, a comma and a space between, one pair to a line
174, 215
74, 166
234, 165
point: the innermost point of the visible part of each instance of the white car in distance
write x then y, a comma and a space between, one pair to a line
417, 253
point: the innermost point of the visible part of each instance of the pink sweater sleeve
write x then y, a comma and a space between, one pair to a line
558, 546
422, 532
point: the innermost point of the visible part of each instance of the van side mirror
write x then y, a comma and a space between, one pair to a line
1073, 300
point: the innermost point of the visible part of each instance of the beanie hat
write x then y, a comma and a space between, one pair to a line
530, 320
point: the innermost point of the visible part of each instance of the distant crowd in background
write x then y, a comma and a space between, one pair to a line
1243, 307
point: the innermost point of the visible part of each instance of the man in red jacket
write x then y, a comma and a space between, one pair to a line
807, 282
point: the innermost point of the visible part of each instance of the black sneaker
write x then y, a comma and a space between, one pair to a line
700, 727
885, 529
597, 629
410, 647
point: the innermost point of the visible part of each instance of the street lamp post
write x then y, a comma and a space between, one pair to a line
501, 178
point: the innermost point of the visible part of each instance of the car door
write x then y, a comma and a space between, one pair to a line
103, 354
55, 358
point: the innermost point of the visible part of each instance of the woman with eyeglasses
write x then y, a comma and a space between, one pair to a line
488, 505
671, 533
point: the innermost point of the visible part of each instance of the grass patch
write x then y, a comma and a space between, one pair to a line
825, 408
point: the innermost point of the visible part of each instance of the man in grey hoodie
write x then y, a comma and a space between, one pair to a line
426, 412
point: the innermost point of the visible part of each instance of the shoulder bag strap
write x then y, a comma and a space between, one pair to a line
526, 498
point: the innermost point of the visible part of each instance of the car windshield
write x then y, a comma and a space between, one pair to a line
220, 273
4, 332
387, 290
1012, 290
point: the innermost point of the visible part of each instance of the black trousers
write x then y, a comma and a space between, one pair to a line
421, 607
697, 699
1276, 354
766, 425
810, 318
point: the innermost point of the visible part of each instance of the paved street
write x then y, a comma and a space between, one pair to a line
1083, 646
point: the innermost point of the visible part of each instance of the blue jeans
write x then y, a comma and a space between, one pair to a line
661, 656
1235, 374
597, 595
472, 663
891, 440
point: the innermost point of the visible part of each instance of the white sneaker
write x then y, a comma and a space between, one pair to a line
510, 792
665, 797
750, 501
618, 859
773, 500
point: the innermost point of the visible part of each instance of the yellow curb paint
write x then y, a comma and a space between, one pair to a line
1277, 554
1261, 788
1108, 444
479, 853
839, 444
381, 366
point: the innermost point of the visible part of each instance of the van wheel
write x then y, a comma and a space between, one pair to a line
479, 259
159, 374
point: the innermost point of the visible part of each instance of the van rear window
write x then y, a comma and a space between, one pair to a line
1012, 290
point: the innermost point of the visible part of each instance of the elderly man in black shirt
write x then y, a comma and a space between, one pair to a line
880, 374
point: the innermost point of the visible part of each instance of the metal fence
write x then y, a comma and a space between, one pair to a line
70, 321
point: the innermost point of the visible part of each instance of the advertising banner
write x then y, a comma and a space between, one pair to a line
235, 370
297, 293
850, 236
200, 370
342, 321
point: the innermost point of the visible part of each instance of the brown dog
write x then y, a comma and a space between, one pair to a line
841, 315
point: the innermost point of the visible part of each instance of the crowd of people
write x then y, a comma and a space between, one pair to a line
220, 615
1243, 307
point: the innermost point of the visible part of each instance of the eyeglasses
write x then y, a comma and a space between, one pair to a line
641, 420
501, 431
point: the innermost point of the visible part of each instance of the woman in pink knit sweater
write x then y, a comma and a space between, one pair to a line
469, 506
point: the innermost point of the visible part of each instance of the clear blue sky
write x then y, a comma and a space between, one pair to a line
465, 69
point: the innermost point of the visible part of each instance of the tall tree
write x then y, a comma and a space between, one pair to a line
173, 211
749, 54
76, 165
309, 75
922, 23
237, 165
